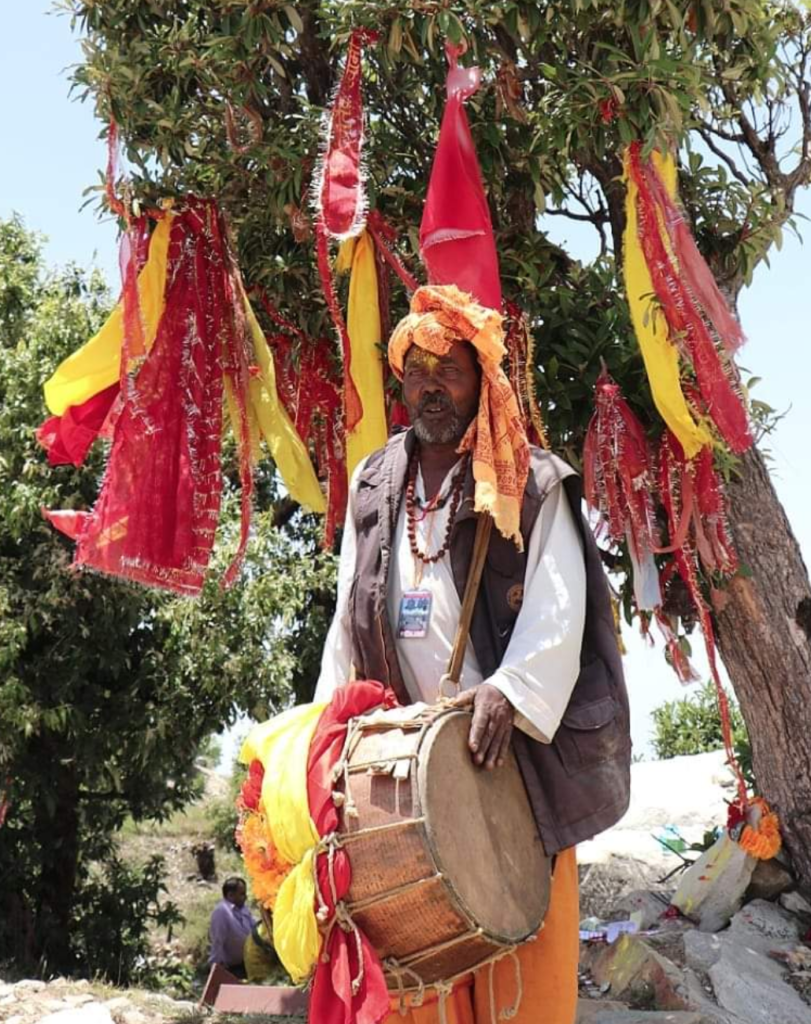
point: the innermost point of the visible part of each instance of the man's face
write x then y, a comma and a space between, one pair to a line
441, 393
238, 896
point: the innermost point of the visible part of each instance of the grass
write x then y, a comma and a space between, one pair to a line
193, 822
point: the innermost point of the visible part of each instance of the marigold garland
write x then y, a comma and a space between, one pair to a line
265, 867
763, 839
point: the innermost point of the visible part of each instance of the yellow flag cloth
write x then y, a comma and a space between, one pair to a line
268, 415
282, 744
363, 325
95, 365
295, 928
660, 356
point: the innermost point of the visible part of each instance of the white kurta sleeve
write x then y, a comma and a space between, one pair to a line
542, 661
336, 661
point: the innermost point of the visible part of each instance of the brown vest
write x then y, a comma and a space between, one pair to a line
579, 784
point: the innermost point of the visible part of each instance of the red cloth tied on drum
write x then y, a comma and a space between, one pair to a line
332, 1000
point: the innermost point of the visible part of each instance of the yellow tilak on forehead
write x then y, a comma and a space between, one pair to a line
430, 360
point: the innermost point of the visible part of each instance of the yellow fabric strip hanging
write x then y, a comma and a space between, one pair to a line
268, 415
295, 928
282, 744
660, 356
363, 325
95, 365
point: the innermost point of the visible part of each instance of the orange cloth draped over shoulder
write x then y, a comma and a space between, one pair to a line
441, 315
548, 971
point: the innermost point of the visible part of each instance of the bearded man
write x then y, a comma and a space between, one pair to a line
541, 670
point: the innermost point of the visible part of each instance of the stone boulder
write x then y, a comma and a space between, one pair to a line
712, 890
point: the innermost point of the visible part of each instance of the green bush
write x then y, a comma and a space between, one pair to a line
114, 909
692, 725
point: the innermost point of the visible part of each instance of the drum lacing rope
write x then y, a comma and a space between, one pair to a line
510, 1012
398, 971
341, 769
443, 990
329, 844
445, 987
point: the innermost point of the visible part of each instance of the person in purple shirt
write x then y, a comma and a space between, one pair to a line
231, 924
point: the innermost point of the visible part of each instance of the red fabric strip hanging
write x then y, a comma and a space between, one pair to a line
334, 999
339, 194
158, 510
715, 374
68, 438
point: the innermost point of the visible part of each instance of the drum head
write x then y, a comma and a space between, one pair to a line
482, 833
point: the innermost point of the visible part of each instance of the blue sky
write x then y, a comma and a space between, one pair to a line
51, 153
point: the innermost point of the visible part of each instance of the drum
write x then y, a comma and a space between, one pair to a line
448, 870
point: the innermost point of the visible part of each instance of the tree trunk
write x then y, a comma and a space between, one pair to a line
57, 833
764, 635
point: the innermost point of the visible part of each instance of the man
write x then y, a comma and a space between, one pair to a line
541, 670
231, 924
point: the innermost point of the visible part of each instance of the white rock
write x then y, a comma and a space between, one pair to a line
795, 903
766, 925
117, 1003
29, 985
80, 999
90, 1013
702, 950
711, 890
750, 985
132, 1017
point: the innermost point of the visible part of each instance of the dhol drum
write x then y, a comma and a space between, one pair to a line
448, 870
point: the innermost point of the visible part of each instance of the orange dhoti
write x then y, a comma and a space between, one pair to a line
548, 971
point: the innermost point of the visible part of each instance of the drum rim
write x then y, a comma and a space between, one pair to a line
455, 896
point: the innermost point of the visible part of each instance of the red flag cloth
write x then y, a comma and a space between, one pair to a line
68, 438
157, 513
456, 233
333, 999
67, 521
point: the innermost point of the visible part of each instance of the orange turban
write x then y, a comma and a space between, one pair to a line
441, 315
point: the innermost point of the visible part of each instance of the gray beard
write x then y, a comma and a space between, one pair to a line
454, 430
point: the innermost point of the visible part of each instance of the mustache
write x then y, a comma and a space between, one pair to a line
438, 401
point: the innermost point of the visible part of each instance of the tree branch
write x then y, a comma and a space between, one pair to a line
706, 135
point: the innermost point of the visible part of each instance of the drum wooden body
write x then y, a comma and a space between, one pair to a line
448, 869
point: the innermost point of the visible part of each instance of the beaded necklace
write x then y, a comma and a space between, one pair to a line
455, 495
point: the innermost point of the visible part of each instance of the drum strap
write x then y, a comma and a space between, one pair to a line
483, 527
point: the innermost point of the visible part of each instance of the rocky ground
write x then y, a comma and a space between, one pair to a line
726, 941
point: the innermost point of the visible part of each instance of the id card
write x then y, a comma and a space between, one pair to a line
415, 614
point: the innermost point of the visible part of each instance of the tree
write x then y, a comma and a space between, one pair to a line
225, 99
107, 690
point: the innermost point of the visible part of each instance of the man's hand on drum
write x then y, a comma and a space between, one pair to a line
492, 724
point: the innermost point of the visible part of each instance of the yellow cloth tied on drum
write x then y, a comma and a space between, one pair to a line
282, 744
660, 356
96, 365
